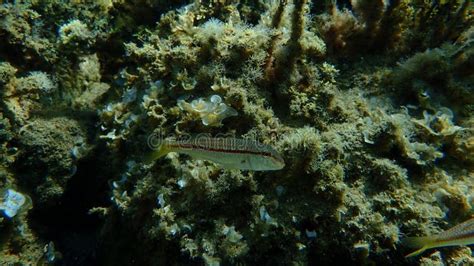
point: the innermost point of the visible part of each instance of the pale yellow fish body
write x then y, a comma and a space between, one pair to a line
230, 153
461, 234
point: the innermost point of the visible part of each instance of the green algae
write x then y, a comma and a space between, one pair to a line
370, 103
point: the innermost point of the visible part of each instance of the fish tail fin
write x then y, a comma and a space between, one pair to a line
420, 243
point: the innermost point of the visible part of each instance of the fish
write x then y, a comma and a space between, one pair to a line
230, 153
461, 234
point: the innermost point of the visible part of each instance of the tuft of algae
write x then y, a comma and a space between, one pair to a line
369, 102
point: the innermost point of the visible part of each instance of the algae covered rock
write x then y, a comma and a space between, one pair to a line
49, 149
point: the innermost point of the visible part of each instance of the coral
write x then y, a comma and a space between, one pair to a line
463, 147
35, 81
369, 102
89, 79
74, 31
397, 27
7, 71
352, 162
23, 36
23, 95
434, 79
439, 124
211, 112
6, 135
462, 257
433, 259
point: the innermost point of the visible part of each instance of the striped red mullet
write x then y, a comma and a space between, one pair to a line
230, 153
461, 234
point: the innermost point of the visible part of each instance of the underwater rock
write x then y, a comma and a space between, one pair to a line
23, 95
46, 159
74, 31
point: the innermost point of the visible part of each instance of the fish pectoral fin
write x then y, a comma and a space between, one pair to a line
416, 252
420, 243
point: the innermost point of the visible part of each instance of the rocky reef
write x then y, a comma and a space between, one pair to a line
370, 103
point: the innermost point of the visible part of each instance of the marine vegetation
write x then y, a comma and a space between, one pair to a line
362, 109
